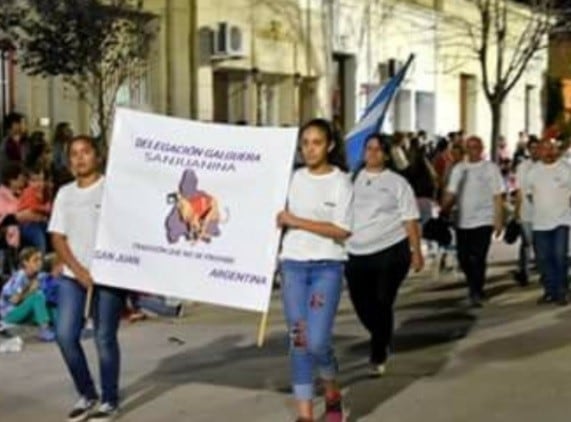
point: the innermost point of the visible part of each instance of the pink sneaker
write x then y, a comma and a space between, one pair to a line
334, 408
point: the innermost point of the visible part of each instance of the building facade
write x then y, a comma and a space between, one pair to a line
443, 89
560, 68
279, 62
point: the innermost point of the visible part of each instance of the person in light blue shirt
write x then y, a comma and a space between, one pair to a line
22, 300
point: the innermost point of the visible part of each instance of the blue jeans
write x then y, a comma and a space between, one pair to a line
551, 247
35, 234
107, 304
311, 291
525, 247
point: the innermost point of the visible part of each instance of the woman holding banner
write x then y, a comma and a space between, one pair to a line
73, 226
385, 240
317, 223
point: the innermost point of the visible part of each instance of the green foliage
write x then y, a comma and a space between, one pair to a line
96, 46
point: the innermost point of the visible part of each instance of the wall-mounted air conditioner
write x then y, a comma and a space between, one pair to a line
227, 42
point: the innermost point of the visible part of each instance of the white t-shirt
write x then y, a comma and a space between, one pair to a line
550, 188
475, 185
522, 175
325, 198
382, 203
75, 215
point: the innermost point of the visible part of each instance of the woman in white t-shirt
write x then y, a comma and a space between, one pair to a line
317, 222
385, 231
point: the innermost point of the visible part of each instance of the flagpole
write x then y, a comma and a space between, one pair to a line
403, 71
374, 115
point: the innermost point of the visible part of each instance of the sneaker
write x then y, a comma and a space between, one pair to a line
81, 410
105, 413
334, 408
377, 370
546, 300
46, 335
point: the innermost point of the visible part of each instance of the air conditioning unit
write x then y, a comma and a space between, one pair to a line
227, 42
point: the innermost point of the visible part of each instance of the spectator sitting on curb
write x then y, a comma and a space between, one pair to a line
22, 300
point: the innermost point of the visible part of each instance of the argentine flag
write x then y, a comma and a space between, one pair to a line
373, 117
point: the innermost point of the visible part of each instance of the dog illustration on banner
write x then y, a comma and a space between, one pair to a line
195, 214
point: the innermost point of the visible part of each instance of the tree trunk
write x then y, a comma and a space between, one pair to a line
496, 114
102, 121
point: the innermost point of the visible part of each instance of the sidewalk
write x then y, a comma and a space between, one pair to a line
505, 362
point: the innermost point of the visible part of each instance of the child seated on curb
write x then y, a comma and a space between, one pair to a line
22, 300
36, 199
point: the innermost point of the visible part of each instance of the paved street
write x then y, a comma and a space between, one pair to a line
508, 362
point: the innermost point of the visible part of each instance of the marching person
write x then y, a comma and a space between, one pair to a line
524, 211
476, 186
549, 186
317, 222
385, 240
73, 227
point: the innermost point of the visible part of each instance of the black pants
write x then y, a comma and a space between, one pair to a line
473, 246
373, 282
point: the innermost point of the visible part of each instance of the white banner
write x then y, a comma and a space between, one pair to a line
189, 209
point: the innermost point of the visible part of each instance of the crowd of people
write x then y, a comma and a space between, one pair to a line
369, 226
366, 227
32, 171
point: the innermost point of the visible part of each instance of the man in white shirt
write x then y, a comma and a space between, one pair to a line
524, 211
549, 187
73, 227
476, 187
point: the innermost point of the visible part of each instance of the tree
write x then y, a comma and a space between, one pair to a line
506, 38
96, 46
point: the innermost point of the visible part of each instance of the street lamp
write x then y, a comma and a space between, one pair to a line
257, 79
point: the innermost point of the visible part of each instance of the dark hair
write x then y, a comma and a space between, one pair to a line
26, 254
11, 119
37, 147
59, 133
38, 137
35, 169
385, 144
442, 145
398, 138
421, 133
533, 139
11, 171
415, 151
336, 156
89, 140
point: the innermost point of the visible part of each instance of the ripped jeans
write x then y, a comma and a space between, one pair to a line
310, 292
